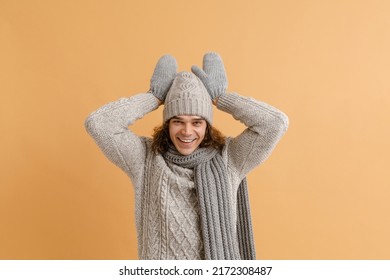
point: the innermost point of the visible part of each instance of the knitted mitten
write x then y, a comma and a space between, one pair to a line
213, 74
163, 75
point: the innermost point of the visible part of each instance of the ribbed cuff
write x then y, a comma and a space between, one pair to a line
227, 102
148, 101
189, 106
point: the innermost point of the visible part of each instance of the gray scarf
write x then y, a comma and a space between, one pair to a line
219, 240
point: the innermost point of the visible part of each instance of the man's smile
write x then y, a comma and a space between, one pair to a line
186, 140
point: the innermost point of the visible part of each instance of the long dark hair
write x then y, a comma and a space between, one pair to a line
161, 139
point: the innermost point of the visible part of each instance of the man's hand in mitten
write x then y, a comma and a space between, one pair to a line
212, 75
163, 75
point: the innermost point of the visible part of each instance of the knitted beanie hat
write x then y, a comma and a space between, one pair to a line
188, 96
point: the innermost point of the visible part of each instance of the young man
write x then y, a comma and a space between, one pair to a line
189, 181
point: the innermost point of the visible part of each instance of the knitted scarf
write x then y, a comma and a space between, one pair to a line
210, 178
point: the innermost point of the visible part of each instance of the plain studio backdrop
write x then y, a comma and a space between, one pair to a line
324, 192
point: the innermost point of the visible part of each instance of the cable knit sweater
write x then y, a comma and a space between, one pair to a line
167, 211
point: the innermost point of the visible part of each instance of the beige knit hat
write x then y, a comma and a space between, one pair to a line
188, 96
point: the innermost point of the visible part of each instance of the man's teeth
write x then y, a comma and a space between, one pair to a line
187, 140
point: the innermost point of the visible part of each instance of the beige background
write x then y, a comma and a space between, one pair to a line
324, 192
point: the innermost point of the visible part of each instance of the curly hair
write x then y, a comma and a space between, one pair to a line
161, 139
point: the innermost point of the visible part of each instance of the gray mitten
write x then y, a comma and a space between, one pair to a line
163, 75
213, 74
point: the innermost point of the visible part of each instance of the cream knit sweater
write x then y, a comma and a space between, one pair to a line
167, 211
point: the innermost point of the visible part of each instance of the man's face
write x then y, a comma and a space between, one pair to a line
187, 132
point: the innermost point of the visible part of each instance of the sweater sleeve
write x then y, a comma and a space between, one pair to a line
265, 126
108, 126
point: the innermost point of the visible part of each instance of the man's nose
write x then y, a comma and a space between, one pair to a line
186, 130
